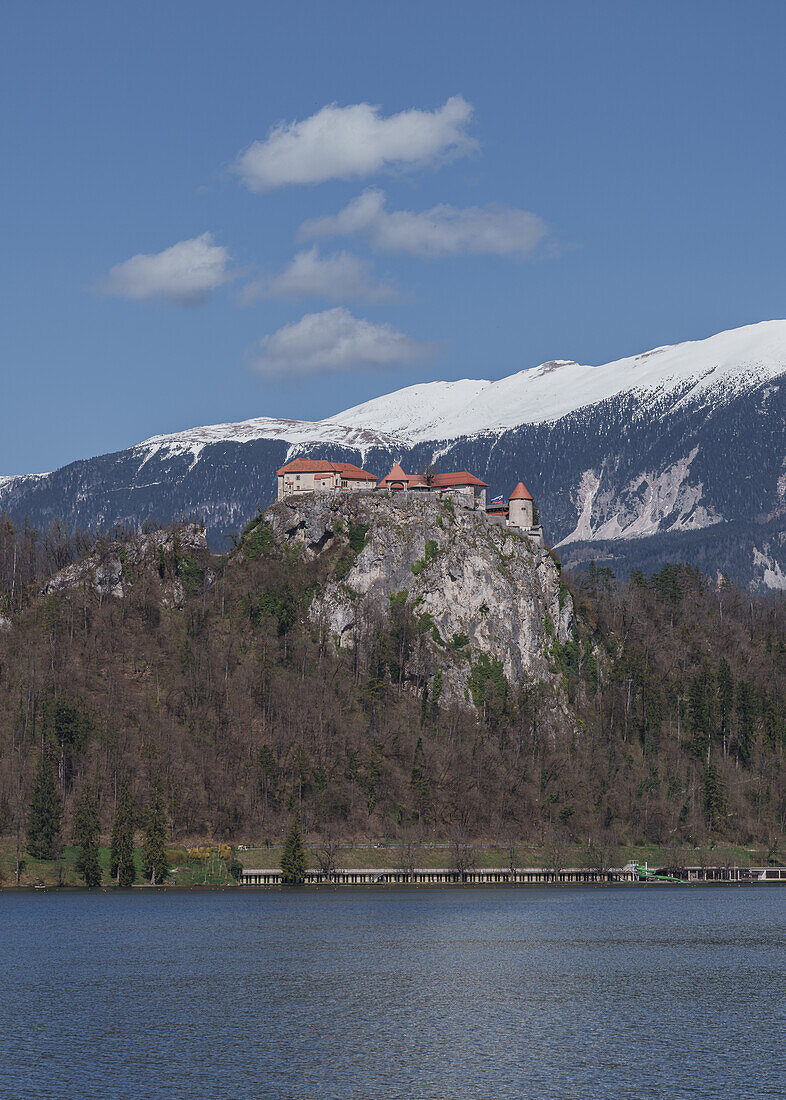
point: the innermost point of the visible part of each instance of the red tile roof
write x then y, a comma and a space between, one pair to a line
438, 481
520, 493
462, 477
310, 465
396, 474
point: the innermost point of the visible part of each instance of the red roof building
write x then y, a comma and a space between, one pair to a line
461, 482
396, 480
305, 474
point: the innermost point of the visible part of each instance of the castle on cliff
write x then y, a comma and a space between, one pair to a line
309, 475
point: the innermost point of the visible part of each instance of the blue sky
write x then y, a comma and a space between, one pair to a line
613, 175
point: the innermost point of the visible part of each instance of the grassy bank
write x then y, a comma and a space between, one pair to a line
438, 854
62, 872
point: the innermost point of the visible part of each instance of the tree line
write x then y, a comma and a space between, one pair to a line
44, 830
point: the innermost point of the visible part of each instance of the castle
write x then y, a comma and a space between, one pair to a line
308, 475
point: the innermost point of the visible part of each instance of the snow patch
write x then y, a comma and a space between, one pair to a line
297, 433
19, 479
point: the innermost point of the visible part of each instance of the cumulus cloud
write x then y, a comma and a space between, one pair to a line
185, 274
337, 278
355, 141
334, 340
442, 231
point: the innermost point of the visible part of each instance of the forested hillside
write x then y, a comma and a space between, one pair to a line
667, 720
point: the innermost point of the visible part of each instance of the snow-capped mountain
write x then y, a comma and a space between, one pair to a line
675, 453
707, 371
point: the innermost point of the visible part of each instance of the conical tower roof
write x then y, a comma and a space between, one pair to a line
395, 477
520, 493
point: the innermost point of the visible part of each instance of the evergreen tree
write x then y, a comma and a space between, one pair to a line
44, 812
746, 721
154, 858
293, 857
84, 834
700, 712
122, 856
714, 797
725, 699
419, 776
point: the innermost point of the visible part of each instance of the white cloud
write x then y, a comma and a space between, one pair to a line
185, 274
442, 231
337, 278
355, 141
334, 340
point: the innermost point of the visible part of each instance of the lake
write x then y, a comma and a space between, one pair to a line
487, 993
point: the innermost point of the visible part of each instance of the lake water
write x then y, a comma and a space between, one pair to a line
487, 993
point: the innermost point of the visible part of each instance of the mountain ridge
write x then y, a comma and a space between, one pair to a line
695, 367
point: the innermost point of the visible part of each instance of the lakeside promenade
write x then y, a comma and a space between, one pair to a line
521, 876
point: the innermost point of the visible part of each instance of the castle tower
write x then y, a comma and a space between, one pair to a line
396, 480
520, 508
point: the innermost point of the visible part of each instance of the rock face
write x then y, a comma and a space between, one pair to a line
474, 588
114, 568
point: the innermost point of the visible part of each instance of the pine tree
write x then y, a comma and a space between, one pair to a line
44, 812
122, 864
714, 798
725, 700
154, 858
746, 721
700, 712
84, 834
293, 857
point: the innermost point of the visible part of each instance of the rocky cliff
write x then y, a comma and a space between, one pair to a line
172, 555
478, 596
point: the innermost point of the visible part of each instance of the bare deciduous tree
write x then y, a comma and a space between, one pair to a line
603, 853
463, 855
327, 854
408, 853
513, 858
555, 851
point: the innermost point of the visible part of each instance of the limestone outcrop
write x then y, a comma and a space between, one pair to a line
115, 566
473, 588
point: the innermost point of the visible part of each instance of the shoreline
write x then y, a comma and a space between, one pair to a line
381, 863
398, 886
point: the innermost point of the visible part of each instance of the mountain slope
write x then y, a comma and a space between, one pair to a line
665, 445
